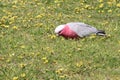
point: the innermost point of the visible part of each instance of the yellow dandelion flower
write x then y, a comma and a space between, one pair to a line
14, 6
118, 14
118, 5
12, 54
79, 49
33, 53
115, 29
15, 2
119, 51
35, 0
53, 37
100, 11
37, 24
79, 64
39, 16
15, 78
22, 46
62, 76
8, 60
77, 10
119, 42
22, 65
59, 71
12, 19
110, 11
82, 9
15, 27
38, 3
113, 1
58, 5
92, 36
21, 57
109, 35
106, 22
89, 16
100, 0
87, 6
82, 3
44, 58
23, 75
101, 5
5, 26
56, 1
109, 3
46, 61
70, 55
40, 24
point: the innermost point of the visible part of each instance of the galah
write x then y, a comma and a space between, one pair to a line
76, 30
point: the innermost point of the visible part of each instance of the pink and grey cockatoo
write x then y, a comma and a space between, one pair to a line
76, 30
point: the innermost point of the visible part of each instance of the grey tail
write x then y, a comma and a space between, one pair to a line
101, 33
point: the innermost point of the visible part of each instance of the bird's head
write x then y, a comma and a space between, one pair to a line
59, 28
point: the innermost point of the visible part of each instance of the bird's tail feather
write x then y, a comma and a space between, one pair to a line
101, 33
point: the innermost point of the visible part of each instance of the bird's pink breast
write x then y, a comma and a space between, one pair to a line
68, 33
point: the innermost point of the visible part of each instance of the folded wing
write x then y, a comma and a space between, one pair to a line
82, 29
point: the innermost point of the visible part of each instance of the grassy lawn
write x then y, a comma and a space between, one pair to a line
29, 49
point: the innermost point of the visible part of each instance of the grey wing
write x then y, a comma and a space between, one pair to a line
82, 29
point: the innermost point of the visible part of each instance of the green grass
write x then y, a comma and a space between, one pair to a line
29, 49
